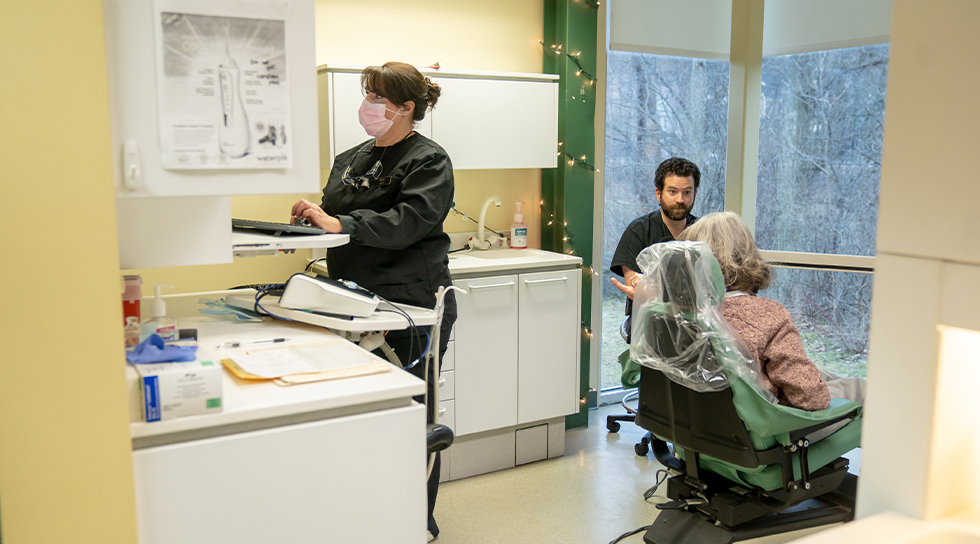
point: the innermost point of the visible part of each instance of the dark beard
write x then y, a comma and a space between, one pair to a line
676, 213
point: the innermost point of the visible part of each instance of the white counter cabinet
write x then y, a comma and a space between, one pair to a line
515, 366
516, 349
308, 482
331, 461
486, 354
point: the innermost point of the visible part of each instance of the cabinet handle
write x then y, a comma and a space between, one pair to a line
442, 411
563, 278
474, 287
442, 381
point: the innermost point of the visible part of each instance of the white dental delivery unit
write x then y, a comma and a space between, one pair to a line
322, 295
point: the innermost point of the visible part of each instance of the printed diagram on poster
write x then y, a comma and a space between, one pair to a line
223, 93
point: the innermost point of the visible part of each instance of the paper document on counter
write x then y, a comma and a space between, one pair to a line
337, 356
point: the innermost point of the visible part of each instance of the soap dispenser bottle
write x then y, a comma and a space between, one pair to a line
518, 230
160, 324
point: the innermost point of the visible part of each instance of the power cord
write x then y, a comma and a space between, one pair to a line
661, 476
309, 265
649, 493
623, 536
465, 217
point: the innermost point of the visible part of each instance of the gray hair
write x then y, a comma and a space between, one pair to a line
732, 244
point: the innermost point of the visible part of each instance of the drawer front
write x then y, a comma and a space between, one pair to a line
447, 385
447, 416
449, 359
447, 413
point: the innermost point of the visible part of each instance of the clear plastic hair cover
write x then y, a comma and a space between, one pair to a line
678, 326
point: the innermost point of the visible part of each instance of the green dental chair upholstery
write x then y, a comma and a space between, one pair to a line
742, 465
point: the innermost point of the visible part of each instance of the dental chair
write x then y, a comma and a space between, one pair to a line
741, 465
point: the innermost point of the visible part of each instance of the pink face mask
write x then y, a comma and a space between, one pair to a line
372, 118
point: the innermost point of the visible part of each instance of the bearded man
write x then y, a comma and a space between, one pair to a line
677, 181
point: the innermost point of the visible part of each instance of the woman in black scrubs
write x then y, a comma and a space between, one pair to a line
391, 195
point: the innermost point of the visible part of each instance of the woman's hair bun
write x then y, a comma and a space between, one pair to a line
433, 92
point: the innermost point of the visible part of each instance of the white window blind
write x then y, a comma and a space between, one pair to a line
702, 28
689, 28
804, 26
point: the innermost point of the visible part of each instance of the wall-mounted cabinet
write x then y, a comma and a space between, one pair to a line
484, 120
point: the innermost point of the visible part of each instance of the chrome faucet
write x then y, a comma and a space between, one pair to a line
481, 242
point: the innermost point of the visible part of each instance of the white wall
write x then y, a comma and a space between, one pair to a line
928, 266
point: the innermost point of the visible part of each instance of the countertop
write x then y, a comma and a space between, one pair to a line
246, 401
498, 261
491, 262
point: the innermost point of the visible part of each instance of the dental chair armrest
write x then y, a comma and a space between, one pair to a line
840, 410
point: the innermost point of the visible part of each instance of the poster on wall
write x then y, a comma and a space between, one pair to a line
222, 90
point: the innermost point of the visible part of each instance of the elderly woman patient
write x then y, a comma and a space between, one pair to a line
764, 324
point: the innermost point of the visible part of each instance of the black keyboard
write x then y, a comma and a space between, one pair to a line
275, 229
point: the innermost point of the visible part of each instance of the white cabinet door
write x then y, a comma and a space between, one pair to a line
484, 124
334, 480
549, 356
486, 354
344, 89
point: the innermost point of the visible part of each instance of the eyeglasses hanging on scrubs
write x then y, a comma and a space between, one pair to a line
366, 179
372, 118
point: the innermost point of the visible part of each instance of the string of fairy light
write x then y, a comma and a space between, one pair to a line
567, 235
557, 49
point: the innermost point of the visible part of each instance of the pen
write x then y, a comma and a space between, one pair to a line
249, 343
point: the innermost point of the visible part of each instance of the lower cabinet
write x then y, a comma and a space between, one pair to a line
300, 483
515, 365
486, 354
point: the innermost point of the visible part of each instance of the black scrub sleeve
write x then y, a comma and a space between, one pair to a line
423, 202
630, 245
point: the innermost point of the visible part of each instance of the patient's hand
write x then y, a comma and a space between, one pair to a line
628, 289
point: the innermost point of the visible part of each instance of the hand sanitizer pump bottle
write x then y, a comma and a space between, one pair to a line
518, 230
160, 324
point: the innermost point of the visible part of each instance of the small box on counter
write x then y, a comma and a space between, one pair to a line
169, 390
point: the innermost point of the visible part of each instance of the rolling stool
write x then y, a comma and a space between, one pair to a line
612, 424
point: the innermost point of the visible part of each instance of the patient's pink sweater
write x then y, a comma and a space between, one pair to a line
774, 342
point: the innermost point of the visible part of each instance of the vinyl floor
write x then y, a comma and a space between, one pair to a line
591, 495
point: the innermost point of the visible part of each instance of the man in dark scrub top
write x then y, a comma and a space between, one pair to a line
677, 181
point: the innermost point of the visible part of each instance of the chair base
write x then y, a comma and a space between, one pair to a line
612, 422
695, 527
643, 446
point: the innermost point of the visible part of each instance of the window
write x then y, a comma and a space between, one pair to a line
821, 121
657, 107
832, 310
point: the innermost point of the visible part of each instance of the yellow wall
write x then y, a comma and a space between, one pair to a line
499, 36
490, 36
65, 467
65, 464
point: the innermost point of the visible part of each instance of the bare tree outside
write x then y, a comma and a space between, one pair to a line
657, 107
821, 122
821, 125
